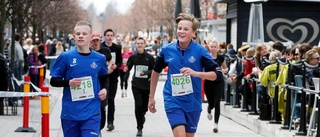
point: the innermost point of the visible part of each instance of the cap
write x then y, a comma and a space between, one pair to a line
243, 47
95, 35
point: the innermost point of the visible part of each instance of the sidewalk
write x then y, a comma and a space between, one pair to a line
125, 125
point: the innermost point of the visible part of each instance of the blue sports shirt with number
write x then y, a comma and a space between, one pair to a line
71, 65
195, 57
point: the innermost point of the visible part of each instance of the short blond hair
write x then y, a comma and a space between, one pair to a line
275, 54
83, 23
190, 17
211, 39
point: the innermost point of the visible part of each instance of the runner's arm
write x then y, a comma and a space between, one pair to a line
59, 82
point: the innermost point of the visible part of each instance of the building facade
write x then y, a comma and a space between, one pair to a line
283, 20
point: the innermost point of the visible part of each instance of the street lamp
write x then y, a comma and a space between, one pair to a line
177, 12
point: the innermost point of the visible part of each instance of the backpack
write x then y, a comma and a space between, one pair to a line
239, 66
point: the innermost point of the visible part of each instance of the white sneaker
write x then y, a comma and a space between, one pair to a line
215, 129
209, 116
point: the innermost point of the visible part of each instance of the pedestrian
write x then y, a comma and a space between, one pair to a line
28, 45
143, 64
52, 52
215, 89
186, 61
104, 80
42, 60
113, 77
33, 70
77, 71
59, 48
19, 60
126, 53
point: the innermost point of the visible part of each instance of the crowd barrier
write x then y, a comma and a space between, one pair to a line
42, 91
275, 118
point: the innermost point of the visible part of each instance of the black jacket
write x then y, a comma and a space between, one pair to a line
113, 77
3, 74
144, 59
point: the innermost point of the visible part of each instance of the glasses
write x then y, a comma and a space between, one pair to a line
316, 58
296, 54
140, 43
109, 35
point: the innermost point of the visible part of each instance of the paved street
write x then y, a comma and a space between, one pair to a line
125, 125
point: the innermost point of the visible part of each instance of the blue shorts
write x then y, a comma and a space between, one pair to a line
83, 128
178, 117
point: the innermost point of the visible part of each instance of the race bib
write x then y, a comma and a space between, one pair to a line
84, 91
181, 85
113, 59
124, 61
139, 69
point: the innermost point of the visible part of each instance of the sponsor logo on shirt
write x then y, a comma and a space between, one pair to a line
74, 62
72, 65
170, 59
192, 59
93, 65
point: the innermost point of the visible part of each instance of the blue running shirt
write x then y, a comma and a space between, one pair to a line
71, 65
195, 57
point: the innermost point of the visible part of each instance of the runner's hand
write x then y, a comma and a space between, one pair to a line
113, 66
187, 71
125, 69
102, 94
75, 82
152, 106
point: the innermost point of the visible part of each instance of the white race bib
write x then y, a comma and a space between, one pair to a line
139, 69
84, 91
113, 59
124, 61
181, 85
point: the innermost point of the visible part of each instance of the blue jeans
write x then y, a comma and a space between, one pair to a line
260, 90
297, 111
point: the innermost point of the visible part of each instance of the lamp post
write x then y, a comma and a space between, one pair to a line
178, 8
177, 12
195, 8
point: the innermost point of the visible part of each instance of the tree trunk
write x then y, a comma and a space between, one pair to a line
54, 32
40, 35
2, 24
34, 31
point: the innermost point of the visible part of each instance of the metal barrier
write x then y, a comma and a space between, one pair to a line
304, 90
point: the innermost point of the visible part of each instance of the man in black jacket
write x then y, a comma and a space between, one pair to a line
113, 77
143, 64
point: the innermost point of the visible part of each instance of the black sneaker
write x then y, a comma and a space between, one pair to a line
110, 127
139, 133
